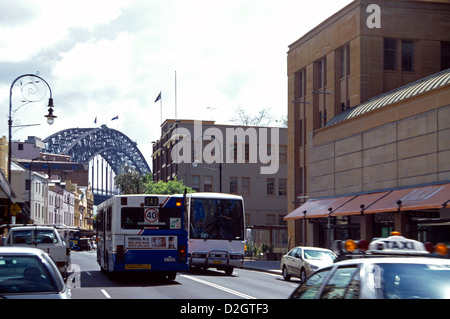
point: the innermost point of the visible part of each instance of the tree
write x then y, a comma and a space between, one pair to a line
130, 181
263, 118
174, 186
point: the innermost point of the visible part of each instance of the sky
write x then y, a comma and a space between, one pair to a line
108, 58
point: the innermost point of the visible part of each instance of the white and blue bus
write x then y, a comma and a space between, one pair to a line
216, 231
146, 233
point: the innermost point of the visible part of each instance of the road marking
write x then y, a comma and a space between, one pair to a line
231, 291
105, 293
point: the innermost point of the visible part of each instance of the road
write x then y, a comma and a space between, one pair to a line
88, 282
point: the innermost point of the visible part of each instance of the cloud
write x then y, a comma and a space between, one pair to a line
113, 57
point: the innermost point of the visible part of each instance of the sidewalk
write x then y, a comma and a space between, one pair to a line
263, 265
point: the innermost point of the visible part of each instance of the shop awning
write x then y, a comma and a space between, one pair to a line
407, 199
418, 198
318, 208
358, 204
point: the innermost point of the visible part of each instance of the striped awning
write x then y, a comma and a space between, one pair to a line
394, 200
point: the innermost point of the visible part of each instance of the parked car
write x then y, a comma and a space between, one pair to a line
302, 261
30, 273
45, 238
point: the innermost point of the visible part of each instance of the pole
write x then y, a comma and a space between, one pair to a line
175, 95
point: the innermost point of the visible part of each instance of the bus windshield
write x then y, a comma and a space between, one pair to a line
216, 219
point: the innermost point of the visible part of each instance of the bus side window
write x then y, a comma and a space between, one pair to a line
100, 221
108, 219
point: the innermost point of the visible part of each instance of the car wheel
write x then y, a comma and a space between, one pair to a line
303, 275
285, 274
229, 271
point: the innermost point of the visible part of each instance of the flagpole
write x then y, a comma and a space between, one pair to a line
160, 106
175, 95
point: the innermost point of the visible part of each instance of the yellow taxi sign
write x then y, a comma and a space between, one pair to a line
397, 244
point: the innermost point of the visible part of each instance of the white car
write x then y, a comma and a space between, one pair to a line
302, 261
30, 273
388, 268
45, 238
379, 278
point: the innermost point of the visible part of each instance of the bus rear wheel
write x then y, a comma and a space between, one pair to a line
171, 275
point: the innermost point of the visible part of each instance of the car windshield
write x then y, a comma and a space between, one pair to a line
319, 255
415, 281
24, 274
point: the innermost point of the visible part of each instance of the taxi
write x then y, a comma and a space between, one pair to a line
387, 268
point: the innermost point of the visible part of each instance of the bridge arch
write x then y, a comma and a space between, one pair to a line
84, 144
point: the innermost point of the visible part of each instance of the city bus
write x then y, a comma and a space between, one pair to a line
216, 231
142, 233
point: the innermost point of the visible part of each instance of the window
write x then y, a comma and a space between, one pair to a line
207, 183
233, 185
270, 219
343, 284
245, 185
407, 56
445, 55
196, 183
312, 285
270, 186
233, 151
135, 218
390, 54
321, 73
300, 84
344, 61
283, 154
282, 187
28, 275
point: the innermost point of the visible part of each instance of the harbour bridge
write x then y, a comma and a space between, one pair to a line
94, 146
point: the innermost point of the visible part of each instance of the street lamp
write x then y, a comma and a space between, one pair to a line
30, 85
30, 93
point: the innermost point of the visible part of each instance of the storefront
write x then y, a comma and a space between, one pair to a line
417, 212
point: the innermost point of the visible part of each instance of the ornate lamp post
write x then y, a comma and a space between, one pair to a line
33, 89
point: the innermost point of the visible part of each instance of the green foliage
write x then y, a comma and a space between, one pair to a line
171, 187
131, 182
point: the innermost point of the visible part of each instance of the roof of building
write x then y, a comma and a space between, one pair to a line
421, 86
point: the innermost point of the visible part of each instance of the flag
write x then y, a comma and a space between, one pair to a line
95, 121
115, 118
158, 98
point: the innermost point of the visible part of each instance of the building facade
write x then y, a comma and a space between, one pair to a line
366, 100
229, 159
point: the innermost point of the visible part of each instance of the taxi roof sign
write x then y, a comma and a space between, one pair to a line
397, 244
